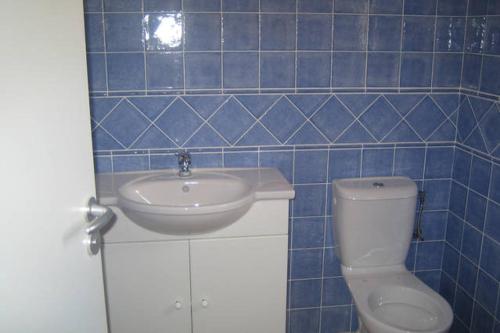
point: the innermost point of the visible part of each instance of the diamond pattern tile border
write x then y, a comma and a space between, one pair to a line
150, 122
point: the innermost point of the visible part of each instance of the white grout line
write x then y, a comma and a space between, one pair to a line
260, 46
281, 90
434, 45
325, 222
401, 40
332, 34
296, 44
463, 43
480, 253
105, 46
144, 53
462, 235
183, 48
221, 42
367, 48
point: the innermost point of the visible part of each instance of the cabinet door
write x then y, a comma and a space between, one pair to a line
239, 285
143, 283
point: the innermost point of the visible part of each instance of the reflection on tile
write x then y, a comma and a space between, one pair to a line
163, 31
474, 41
450, 34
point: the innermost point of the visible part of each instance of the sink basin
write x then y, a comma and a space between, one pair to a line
169, 204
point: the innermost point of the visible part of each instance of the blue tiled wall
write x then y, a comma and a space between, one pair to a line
471, 275
178, 46
482, 47
337, 135
358, 87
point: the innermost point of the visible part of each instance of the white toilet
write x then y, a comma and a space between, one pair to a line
373, 230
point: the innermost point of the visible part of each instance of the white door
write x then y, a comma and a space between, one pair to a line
231, 294
147, 287
48, 282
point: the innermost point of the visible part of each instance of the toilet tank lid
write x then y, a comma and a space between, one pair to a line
375, 188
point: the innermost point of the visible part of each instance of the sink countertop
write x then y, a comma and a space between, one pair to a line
268, 183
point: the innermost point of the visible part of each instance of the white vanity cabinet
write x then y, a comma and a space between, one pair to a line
226, 285
230, 280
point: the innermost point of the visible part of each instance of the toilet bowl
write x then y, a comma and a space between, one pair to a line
396, 301
373, 229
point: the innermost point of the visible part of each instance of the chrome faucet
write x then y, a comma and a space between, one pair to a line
184, 161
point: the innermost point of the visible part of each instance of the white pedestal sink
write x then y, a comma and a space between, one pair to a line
207, 200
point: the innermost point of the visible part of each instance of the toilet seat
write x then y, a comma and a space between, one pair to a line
396, 302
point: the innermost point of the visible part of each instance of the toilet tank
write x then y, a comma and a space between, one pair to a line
373, 220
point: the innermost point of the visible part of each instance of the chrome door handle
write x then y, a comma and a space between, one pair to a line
98, 216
